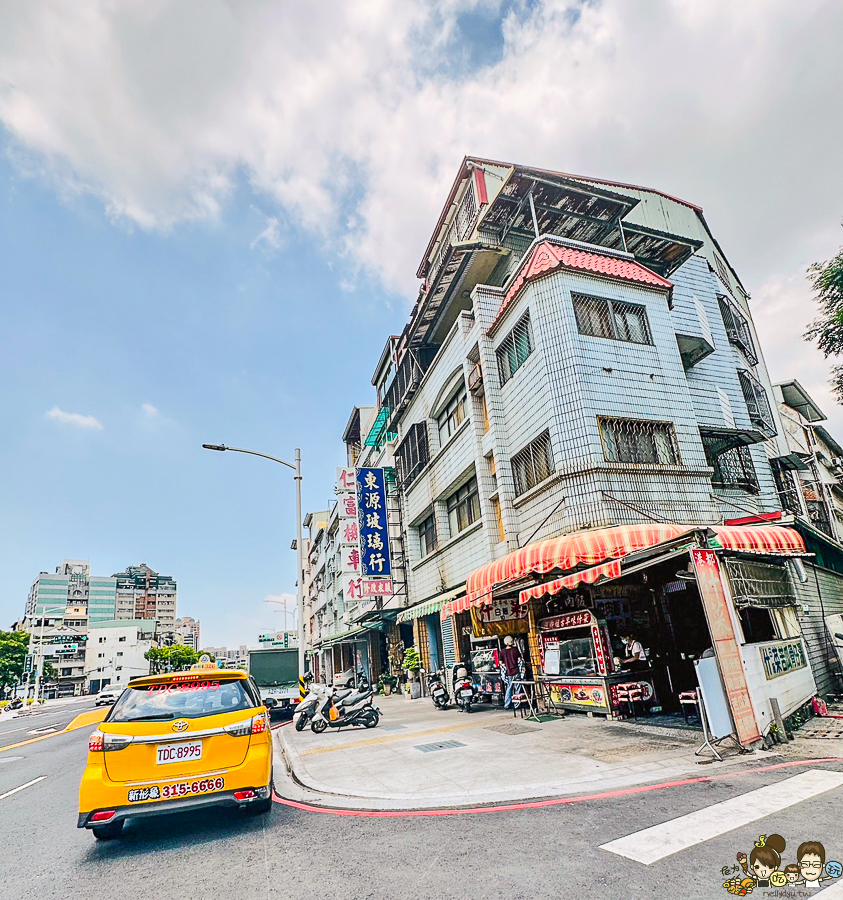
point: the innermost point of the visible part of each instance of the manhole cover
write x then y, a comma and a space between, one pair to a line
439, 745
393, 727
512, 728
821, 735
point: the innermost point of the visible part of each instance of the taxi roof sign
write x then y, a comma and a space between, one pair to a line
204, 658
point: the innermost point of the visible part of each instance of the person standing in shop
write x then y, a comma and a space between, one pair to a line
513, 667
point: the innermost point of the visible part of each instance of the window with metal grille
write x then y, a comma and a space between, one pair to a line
611, 319
722, 272
757, 402
759, 584
413, 453
635, 441
515, 348
732, 467
737, 328
533, 464
428, 541
452, 416
785, 487
463, 507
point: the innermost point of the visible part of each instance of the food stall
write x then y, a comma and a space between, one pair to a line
578, 670
489, 625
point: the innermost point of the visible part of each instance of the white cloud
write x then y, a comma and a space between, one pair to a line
77, 420
350, 119
271, 235
150, 411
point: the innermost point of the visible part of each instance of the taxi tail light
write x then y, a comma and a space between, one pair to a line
116, 741
95, 743
256, 725
103, 815
248, 794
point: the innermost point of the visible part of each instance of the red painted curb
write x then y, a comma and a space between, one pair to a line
538, 804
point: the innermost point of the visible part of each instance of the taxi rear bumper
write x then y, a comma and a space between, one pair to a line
166, 807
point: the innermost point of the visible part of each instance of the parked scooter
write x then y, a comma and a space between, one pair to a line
305, 710
465, 693
342, 708
436, 688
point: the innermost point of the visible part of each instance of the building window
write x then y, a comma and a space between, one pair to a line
463, 507
428, 540
737, 329
413, 453
533, 464
634, 441
757, 402
100, 655
611, 319
496, 508
732, 467
119, 652
515, 348
452, 416
722, 273
785, 488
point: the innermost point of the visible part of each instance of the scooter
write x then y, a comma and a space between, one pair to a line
305, 710
465, 693
342, 708
436, 688
13, 704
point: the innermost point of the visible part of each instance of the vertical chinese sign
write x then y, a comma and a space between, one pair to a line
349, 535
376, 567
716, 605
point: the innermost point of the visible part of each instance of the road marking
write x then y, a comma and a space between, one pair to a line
90, 717
652, 844
28, 784
47, 730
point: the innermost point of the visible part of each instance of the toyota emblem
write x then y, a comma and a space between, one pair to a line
179, 725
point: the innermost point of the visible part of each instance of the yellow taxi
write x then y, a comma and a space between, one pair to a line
176, 742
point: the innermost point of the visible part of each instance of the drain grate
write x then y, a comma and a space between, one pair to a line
439, 745
512, 728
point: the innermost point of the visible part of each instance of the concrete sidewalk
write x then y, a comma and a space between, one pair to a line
421, 757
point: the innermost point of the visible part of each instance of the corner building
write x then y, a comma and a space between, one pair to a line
582, 357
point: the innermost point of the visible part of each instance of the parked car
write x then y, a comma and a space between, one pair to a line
108, 695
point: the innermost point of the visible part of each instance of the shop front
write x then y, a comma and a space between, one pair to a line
617, 619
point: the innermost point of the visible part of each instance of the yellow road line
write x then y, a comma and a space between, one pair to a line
389, 739
90, 717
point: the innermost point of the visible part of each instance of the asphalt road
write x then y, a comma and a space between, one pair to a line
537, 853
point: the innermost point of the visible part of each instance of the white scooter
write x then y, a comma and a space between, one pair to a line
305, 710
342, 708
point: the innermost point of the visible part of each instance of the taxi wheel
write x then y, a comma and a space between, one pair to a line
108, 832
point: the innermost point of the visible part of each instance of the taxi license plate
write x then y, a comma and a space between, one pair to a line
179, 789
173, 753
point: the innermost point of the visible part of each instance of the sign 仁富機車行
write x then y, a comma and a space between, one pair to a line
68, 638
374, 532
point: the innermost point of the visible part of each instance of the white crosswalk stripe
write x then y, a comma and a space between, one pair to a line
652, 844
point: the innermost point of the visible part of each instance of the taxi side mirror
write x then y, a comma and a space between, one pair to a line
270, 703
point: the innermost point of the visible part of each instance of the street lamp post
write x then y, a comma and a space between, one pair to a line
296, 467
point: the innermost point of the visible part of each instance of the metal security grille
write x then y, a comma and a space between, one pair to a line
533, 464
732, 467
785, 488
448, 643
759, 584
757, 402
737, 329
635, 441
722, 274
413, 453
611, 319
515, 348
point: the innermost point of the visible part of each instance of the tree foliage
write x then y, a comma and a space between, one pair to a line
170, 659
14, 645
827, 329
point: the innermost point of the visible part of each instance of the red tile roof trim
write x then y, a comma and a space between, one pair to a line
548, 257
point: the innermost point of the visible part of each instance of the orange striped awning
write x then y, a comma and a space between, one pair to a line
591, 548
569, 582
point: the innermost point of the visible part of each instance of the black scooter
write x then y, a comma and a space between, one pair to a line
465, 692
436, 688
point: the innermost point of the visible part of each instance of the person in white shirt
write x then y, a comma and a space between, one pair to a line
636, 657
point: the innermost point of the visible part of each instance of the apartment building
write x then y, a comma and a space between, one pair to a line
580, 375
88, 598
115, 652
187, 632
143, 593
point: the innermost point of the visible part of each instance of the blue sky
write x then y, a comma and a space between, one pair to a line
211, 216
255, 348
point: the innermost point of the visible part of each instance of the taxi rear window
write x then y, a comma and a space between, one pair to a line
180, 700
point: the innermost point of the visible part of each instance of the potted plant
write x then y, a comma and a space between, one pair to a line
387, 684
412, 663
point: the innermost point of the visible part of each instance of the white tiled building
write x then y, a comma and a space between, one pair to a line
114, 652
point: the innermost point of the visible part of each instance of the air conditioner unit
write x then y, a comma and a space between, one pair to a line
475, 379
